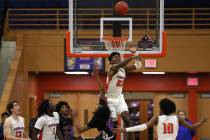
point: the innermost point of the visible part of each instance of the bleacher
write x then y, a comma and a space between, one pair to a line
53, 14
88, 18
38, 3
2, 15
1, 21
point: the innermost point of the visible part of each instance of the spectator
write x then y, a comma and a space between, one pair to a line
65, 120
184, 133
31, 126
3, 117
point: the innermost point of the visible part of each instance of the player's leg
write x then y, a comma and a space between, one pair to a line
112, 107
123, 110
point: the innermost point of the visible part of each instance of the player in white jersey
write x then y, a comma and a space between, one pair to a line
47, 122
14, 127
167, 124
116, 76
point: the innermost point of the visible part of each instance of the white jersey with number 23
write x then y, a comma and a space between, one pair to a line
115, 84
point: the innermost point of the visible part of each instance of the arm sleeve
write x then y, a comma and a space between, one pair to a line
40, 123
141, 127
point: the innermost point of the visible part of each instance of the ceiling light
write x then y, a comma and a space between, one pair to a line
77, 72
153, 72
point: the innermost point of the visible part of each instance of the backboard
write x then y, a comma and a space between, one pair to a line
87, 27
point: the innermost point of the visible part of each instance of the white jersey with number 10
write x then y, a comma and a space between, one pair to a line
167, 127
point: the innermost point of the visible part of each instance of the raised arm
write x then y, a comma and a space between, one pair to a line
137, 64
137, 60
116, 67
99, 82
192, 126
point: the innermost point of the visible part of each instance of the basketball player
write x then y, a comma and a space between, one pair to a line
47, 122
116, 76
14, 124
167, 124
101, 119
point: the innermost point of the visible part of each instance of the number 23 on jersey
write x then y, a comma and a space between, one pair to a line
119, 83
18, 133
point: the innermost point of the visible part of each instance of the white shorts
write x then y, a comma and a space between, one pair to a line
117, 106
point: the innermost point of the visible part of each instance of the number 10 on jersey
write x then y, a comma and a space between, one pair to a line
168, 128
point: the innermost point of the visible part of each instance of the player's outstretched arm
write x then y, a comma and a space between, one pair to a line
137, 64
123, 64
140, 127
192, 126
137, 60
99, 82
116, 67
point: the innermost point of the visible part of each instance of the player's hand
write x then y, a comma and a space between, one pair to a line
96, 68
75, 114
205, 117
132, 49
136, 56
70, 112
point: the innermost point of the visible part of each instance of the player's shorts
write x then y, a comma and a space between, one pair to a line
117, 106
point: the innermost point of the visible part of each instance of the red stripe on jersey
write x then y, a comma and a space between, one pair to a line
108, 79
40, 135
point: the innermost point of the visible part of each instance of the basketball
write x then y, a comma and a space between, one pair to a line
121, 8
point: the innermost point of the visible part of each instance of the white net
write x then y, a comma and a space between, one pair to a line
115, 43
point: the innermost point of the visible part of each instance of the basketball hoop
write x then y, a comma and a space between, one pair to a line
115, 43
